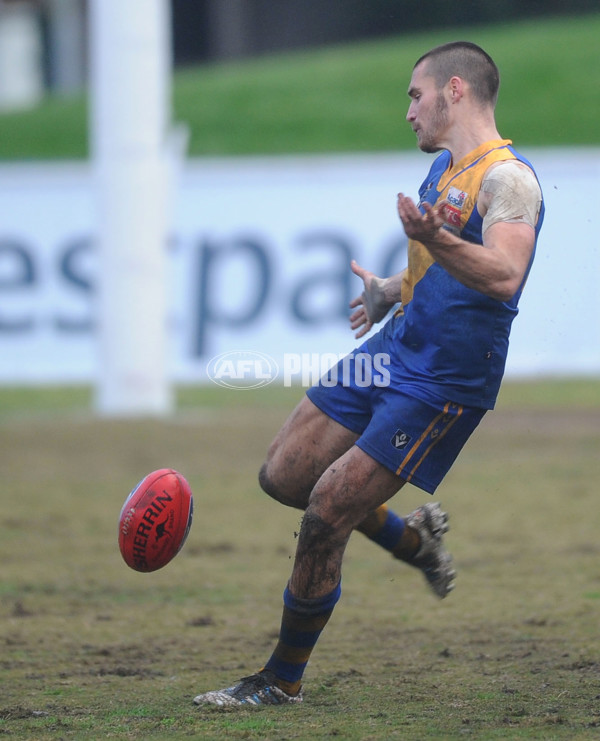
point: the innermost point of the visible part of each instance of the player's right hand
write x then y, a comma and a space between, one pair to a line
371, 306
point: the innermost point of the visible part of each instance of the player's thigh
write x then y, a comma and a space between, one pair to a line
305, 446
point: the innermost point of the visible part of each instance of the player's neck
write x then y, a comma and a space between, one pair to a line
465, 138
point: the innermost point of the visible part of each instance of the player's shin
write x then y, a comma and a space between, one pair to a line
301, 625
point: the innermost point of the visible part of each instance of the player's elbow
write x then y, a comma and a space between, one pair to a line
504, 290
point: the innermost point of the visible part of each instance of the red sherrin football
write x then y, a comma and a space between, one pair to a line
155, 520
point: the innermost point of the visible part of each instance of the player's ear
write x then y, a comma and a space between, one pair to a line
456, 88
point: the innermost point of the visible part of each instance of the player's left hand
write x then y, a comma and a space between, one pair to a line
420, 226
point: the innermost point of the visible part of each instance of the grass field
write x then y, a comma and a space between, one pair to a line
91, 649
352, 97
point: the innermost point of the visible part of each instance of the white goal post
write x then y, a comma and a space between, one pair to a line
130, 77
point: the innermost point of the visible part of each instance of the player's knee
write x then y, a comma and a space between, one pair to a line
266, 482
324, 505
277, 487
334, 506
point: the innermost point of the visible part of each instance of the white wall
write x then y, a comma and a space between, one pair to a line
259, 262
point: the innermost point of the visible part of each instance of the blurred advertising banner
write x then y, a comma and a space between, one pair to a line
259, 259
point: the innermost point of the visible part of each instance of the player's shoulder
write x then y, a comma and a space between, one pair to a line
509, 170
512, 174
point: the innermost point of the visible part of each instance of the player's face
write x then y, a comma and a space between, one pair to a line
428, 111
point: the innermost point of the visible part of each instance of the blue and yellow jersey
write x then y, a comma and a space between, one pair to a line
450, 340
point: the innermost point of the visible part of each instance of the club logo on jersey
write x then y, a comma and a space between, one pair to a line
456, 197
453, 208
400, 440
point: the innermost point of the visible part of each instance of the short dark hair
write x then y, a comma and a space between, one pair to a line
469, 61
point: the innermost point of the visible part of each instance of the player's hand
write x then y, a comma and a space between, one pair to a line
423, 227
371, 306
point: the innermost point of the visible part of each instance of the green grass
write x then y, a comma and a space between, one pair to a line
91, 649
352, 97
23, 401
573, 393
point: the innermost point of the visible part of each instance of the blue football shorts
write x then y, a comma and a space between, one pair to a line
410, 431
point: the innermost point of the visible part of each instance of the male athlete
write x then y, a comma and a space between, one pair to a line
347, 449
